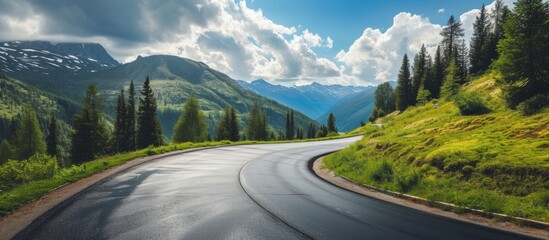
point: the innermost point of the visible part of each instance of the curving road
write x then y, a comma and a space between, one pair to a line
239, 192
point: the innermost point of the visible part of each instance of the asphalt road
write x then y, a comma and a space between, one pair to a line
239, 192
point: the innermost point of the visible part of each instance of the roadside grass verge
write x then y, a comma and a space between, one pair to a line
13, 196
496, 162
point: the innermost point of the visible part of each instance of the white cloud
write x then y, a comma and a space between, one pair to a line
441, 10
376, 55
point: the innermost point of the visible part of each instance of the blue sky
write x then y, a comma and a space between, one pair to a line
288, 42
344, 21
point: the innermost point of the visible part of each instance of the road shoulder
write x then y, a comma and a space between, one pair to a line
329, 176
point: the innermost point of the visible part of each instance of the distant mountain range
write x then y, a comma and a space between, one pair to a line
67, 69
350, 104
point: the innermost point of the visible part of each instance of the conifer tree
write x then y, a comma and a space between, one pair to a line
404, 88
385, 100
461, 63
480, 42
420, 72
300, 133
290, 125
331, 123
52, 138
90, 134
437, 75
524, 52
450, 87
234, 125
451, 38
120, 128
28, 136
191, 126
222, 131
257, 124
6, 151
498, 17
311, 131
130, 134
422, 95
149, 132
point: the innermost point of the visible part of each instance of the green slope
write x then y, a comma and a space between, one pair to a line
174, 79
497, 162
14, 94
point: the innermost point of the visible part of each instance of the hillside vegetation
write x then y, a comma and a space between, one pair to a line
498, 162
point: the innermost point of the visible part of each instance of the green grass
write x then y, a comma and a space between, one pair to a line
498, 162
12, 198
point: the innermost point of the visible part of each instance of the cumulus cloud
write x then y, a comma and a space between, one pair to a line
376, 55
441, 10
225, 34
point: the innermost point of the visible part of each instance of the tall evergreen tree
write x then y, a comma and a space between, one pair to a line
300, 133
120, 129
52, 138
191, 126
6, 151
480, 42
524, 52
90, 134
331, 123
149, 131
450, 87
28, 136
461, 62
420, 72
234, 125
422, 95
404, 88
222, 131
257, 124
311, 131
130, 135
498, 17
434, 83
290, 125
451, 38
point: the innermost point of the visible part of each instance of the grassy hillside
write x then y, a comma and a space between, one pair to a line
14, 94
351, 110
498, 162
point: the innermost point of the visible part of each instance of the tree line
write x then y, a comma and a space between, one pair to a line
514, 44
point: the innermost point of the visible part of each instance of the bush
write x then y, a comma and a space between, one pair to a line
332, 134
470, 104
533, 104
37, 167
381, 172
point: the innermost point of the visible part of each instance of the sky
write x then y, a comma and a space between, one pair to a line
288, 42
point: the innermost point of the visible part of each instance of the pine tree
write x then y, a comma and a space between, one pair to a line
300, 133
234, 125
420, 72
461, 63
311, 131
450, 87
290, 125
524, 52
28, 136
90, 134
222, 131
480, 42
322, 132
120, 128
498, 17
130, 134
52, 139
437, 75
191, 126
404, 88
257, 124
149, 132
451, 38
331, 123
6, 151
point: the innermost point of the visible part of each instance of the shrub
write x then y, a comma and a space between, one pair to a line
404, 182
37, 167
470, 104
381, 171
332, 134
533, 104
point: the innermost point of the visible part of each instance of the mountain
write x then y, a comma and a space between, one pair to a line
174, 79
351, 110
314, 100
48, 65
